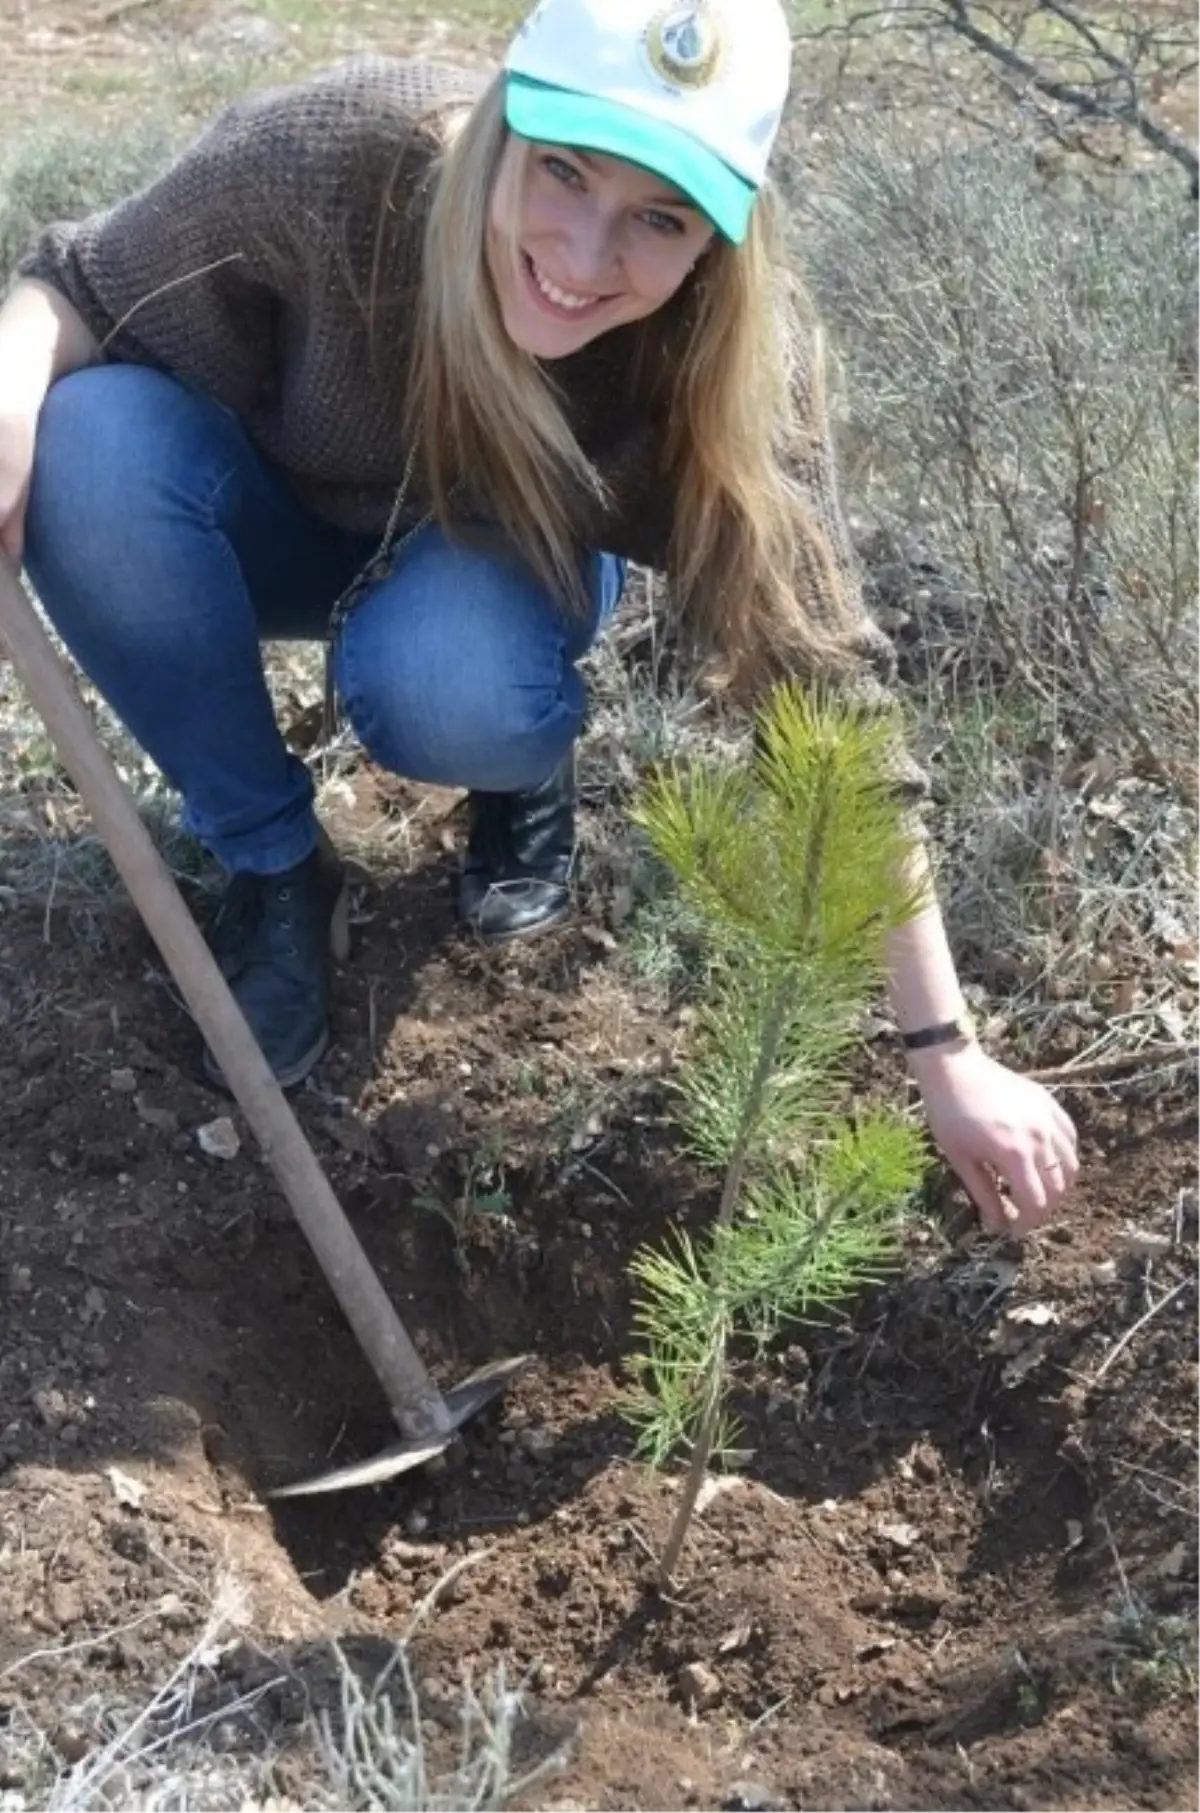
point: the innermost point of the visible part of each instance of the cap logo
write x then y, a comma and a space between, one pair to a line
685, 46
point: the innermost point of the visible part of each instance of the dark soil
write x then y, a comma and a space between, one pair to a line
952, 1574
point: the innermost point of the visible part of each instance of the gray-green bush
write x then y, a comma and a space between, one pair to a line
1017, 368
1020, 364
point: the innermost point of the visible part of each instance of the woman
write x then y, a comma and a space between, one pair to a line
530, 329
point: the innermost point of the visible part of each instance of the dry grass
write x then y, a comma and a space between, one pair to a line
1021, 441
195, 1743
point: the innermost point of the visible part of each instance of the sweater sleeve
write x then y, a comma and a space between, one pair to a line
187, 273
197, 272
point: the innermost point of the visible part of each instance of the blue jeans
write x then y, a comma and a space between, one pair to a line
164, 547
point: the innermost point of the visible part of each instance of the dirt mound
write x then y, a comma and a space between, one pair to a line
953, 1573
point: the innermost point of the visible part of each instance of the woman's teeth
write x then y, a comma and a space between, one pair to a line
560, 298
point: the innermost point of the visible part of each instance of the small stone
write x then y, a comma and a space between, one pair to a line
749, 1797
700, 1686
926, 1464
64, 1603
51, 1406
94, 1303
219, 1138
20, 1280
165, 1120
124, 1081
416, 1523
900, 1535
536, 1442
71, 1741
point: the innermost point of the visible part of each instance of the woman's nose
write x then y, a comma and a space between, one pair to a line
589, 253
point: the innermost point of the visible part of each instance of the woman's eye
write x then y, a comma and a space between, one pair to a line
560, 168
662, 223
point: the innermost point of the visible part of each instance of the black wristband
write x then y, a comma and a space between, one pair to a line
942, 1034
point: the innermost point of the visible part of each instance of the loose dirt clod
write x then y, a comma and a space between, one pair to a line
219, 1138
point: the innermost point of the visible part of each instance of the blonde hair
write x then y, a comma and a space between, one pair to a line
759, 590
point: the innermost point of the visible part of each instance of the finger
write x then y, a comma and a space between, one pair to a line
995, 1214
1058, 1163
1067, 1158
1029, 1187
1064, 1126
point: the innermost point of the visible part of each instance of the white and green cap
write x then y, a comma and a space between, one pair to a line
692, 92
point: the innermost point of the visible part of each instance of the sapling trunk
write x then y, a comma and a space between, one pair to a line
797, 871
731, 1192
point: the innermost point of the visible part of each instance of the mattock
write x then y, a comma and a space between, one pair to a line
428, 1420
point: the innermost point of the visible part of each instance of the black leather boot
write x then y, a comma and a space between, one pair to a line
516, 878
272, 936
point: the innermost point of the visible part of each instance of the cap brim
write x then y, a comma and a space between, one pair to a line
561, 116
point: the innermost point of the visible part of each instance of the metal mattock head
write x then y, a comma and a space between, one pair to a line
463, 1401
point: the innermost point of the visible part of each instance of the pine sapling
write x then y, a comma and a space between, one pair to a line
797, 865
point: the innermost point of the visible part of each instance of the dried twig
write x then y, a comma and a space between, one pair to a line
1141, 1322
110, 15
1126, 1060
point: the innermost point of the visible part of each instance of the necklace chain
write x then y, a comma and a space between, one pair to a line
379, 567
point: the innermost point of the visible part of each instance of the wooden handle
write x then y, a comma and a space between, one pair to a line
415, 1401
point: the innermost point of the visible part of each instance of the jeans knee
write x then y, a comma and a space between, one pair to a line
454, 736
460, 723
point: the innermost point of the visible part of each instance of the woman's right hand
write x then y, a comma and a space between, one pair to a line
18, 430
42, 337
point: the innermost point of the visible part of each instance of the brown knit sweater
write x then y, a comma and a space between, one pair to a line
247, 270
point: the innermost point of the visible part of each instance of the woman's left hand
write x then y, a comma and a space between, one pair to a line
993, 1125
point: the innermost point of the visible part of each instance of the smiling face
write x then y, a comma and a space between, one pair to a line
599, 242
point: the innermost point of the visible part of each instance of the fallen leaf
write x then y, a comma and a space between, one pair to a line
1024, 1362
736, 1639
1173, 1020
712, 1488
900, 1535
1037, 1315
126, 1490
1144, 1243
